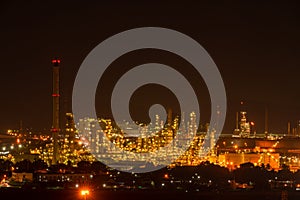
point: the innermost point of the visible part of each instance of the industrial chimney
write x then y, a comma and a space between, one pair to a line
55, 110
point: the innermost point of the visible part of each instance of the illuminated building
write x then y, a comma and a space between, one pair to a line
92, 136
88, 132
182, 129
77, 180
212, 141
106, 143
70, 131
234, 160
143, 143
192, 124
242, 127
85, 127
70, 149
157, 123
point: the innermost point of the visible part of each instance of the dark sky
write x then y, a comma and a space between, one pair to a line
255, 46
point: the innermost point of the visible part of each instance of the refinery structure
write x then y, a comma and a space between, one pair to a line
102, 139
64, 145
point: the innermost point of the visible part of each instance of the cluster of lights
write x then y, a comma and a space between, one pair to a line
191, 156
149, 141
270, 156
141, 144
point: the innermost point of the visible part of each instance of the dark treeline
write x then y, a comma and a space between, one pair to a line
205, 175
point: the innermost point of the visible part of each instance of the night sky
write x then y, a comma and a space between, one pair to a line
255, 46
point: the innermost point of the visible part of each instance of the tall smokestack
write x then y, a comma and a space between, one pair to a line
169, 117
289, 128
55, 109
266, 121
237, 121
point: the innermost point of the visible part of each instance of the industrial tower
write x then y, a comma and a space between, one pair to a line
55, 110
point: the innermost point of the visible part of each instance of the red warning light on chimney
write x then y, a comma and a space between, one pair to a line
55, 95
55, 62
54, 130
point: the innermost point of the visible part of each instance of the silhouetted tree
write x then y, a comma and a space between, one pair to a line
24, 166
5, 165
39, 164
98, 167
84, 167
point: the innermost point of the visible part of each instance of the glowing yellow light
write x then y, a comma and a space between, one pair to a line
85, 192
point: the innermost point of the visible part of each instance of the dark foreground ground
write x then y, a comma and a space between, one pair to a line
142, 195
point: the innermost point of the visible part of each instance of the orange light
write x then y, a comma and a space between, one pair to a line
252, 123
166, 176
85, 192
